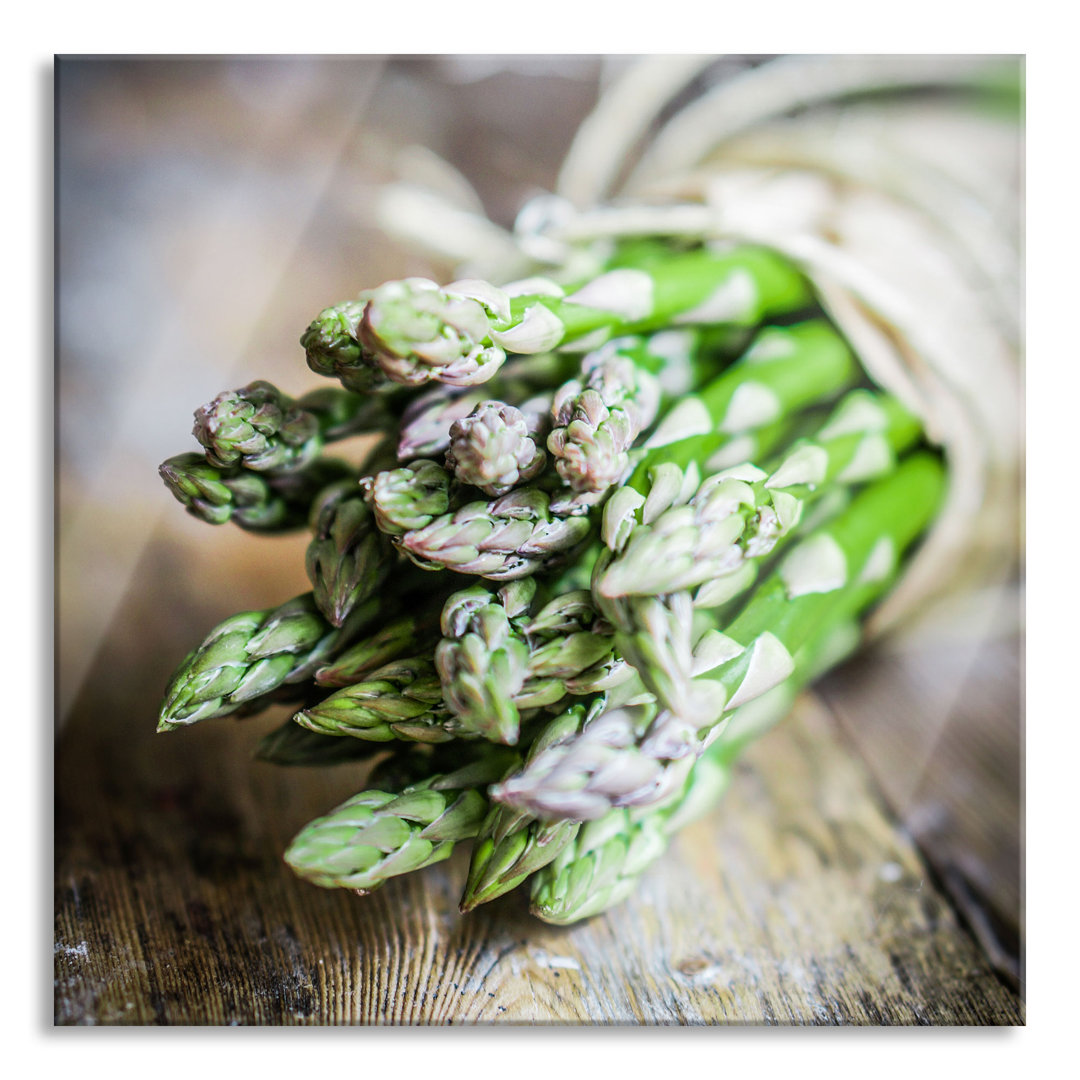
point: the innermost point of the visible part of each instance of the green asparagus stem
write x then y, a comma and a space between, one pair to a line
497, 660
348, 557
400, 700
417, 332
258, 427
786, 370
571, 651
625, 757
262, 429
391, 641
482, 659
511, 845
250, 655
332, 348
508, 538
257, 502
602, 863
377, 835
734, 518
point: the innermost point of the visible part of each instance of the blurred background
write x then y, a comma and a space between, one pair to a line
206, 210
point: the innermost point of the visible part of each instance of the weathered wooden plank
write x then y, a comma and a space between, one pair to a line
798, 901
938, 722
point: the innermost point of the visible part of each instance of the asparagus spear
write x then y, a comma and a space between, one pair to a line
415, 332
252, 654
602, 862
391, 641
400, 700
496, 659
508, 538
257, 502
348, 557
377, 835
741, 513
407, 498
735, 517
332, 349
482, 658
257, 427
263, 429
511, 845
625, 757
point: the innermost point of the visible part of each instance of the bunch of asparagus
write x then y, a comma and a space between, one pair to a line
607, 532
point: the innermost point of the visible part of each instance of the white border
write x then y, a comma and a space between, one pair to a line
202, 27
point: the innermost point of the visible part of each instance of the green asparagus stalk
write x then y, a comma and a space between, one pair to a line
601, 864
510, 537
626, 758
742, 512
377, 835
400, 700
250, 655
262, 429
257, 427
735, 517
497, 660
391, 641
482, 659
571, 651
407, 498
786, 370
257, 502
414, 331
332, 349
511, 845
348, 557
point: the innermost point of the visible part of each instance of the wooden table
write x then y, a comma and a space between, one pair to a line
832, 886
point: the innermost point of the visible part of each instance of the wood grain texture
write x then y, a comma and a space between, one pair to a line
938, 723
799, 901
